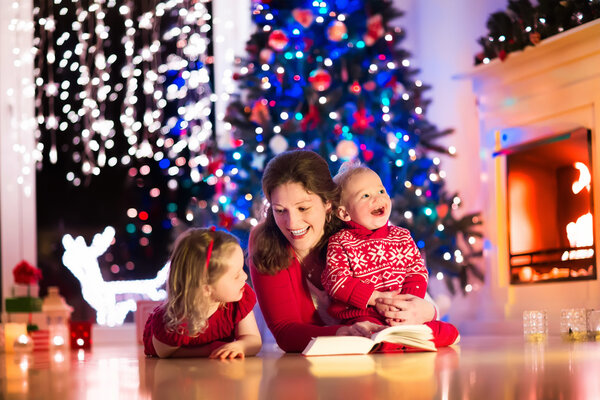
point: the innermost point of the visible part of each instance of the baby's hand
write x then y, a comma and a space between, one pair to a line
393, 322
381, 295
228, 351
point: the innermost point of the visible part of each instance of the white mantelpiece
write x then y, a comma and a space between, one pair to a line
541, 91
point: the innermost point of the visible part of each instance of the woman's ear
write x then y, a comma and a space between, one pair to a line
342, 213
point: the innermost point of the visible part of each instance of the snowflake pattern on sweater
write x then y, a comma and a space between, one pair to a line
360, 261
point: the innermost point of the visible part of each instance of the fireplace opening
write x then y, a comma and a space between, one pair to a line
550, 213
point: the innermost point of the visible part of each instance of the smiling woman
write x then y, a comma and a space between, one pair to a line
286, 253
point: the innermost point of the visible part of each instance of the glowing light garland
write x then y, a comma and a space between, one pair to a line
159, 79
115, 299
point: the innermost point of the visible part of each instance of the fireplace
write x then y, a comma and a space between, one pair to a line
549, 209
539, 124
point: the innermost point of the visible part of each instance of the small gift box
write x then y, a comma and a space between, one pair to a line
81, 334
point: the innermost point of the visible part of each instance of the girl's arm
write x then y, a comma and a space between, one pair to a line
164, 350
247, 340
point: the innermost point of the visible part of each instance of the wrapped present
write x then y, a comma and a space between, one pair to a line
41, 339
23, 304
81, 334
143, 310
24, 297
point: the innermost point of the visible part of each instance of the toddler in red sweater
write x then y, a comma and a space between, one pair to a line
208, 312
372, 259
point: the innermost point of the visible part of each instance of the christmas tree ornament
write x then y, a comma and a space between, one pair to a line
320, 79
278, 40
260, 113
278, 144
375, 29
535, 38
369, 86
258, 161
266, 56
346, 150
362, 120
337, 31
392, 140
303, 16
312, 119
226, 220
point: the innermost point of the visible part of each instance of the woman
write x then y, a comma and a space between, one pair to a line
286, 255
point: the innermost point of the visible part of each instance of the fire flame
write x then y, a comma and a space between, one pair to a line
581, 232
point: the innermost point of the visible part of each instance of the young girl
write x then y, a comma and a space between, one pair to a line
208, 312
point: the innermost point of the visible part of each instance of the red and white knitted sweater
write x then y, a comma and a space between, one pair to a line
360, 261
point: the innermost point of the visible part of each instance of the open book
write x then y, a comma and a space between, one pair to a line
405, 337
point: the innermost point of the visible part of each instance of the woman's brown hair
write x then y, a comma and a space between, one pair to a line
269, 249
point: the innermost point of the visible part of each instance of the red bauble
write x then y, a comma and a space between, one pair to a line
266, 56
374, 29
278, 40
303, 17
336, 31
320, 79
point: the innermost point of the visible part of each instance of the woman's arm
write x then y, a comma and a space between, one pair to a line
164, 350
288, 310
247, 340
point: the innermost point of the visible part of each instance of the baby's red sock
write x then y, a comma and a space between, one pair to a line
444, 333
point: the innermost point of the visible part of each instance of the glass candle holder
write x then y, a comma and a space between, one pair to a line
593, 324
573, 324
535, 325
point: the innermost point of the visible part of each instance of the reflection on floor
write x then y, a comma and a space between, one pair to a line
478, 368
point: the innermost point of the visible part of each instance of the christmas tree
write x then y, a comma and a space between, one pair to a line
524, 24
330, 76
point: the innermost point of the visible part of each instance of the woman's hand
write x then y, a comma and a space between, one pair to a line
405, 309
363, 328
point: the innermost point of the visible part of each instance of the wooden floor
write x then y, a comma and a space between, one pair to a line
478, 368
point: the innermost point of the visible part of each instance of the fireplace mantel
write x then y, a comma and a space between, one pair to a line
544, 90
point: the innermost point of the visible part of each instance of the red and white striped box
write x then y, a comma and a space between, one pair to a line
41, 339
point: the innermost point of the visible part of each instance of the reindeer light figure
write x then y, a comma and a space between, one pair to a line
112, 300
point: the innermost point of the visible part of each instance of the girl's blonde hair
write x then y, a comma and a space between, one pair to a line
186, 301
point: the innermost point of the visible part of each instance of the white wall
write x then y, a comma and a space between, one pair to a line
17, 170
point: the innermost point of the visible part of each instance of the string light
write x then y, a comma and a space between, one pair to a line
82, 77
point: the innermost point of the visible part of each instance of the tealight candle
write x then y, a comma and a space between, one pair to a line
12, 330
535, 325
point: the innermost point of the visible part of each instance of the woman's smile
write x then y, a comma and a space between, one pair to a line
299, 215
